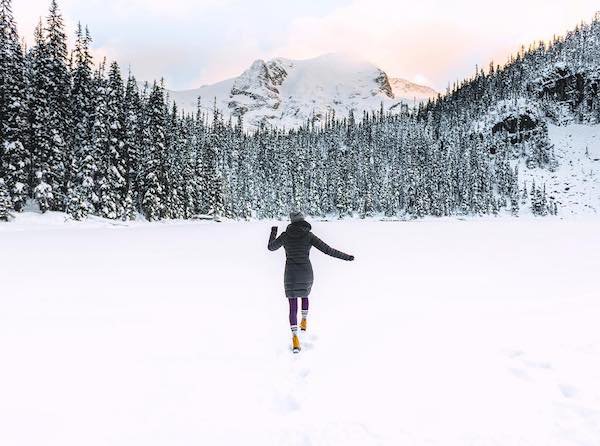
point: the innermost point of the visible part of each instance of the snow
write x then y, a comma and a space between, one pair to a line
188, 99
504, 109
411, 92
575, 184
301, 89
442, 332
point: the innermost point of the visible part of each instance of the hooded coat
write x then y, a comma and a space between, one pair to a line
297, 241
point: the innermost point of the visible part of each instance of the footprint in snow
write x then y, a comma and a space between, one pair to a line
538, 364
286, 404
307, 345
520, 373
515, 353
519, 354
303, 373
568, 391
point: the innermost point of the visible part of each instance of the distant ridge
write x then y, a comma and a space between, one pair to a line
286, 93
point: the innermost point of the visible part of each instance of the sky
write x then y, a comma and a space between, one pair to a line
192, 43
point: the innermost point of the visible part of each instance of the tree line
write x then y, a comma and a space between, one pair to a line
87, 140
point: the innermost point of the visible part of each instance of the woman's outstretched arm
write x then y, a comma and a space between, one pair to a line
275, 243
325, 248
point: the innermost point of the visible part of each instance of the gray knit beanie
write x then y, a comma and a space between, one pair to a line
296, 216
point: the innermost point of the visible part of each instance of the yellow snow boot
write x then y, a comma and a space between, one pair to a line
295, 343
303, 324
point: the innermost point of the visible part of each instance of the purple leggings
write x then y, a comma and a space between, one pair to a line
294, 308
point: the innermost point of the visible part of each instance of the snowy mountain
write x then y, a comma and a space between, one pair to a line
411, 92
284, 92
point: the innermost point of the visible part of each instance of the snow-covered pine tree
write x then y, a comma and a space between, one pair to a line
539, 200
214, 181
133, 113
266, 167
5, 202
544, 200
314, 182
58, 92
39, 137
238, 170
143, 141
343, 201
188, 159
153, 194
514, 192
84, 165
114, 189
198, 133
133, 135
175, 160
100, 140
524, 194
534, 199
14, 157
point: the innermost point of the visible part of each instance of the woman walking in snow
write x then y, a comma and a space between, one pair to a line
298, 279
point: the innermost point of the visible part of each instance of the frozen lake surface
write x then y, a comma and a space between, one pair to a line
442, 332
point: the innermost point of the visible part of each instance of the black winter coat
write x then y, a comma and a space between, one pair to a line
297, 241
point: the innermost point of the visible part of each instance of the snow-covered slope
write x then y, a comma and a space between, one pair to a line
410, 92
284, 92
572, 179
575, 184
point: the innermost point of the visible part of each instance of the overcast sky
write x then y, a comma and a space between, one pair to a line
191, 43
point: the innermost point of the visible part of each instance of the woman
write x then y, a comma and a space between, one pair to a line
298, 279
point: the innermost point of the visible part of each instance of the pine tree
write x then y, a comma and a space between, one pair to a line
544, 202
14, 157
213, 178
188, 177
174, 163
5, 203
154, 197
514, 192
82, 186
39, 139
132, 110
58, 92
342, 193
114, 187
100, 137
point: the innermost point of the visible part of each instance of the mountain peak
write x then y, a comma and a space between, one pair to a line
411, 91
286, 92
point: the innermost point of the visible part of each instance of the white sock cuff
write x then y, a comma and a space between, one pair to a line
294, 328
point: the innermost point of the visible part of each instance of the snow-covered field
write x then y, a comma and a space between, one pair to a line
442, 332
